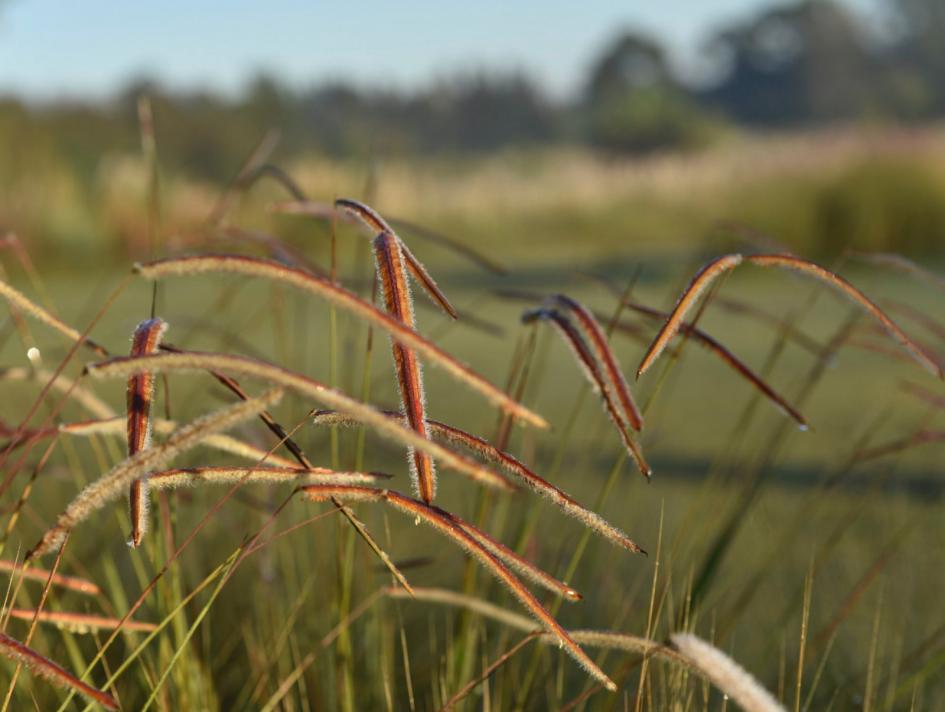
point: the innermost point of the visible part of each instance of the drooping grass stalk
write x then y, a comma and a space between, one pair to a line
727, 262
46, 668
81, 623
198, 361
589, 365
32, 573
145, 340
686, 301
377, 224
189, 266
447, 525
727, 675
510, 464
605, 356
100, 492
740, 367
327, 211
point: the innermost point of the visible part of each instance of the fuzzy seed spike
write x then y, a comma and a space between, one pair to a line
44, 667
605, 356
513, 466
109, 486
390, 270
146, 339
591, 370
374, 222
122, 366
687, 300
249, 266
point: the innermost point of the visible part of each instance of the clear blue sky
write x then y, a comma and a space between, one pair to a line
81, 47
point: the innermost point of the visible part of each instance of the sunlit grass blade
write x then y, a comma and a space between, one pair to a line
589, 366
145, 340
510, 464
390, 270
197, 361
725, 674
686, 301
449, 527
44, 667
605, 356
32, 573
843, 286
109, 486
259, 474
189, 266
81, 623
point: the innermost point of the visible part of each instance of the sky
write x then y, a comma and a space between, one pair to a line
90, 48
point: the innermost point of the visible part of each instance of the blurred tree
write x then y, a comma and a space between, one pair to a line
803, 62
919, 54
634, 102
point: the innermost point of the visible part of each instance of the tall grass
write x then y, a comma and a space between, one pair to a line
236, 600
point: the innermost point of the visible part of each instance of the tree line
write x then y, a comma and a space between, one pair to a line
794, 64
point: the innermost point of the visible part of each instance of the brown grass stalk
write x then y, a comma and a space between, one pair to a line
605, 356
447, 525
103, 490
727, 675
71, 583
80, 623
146, 338
389, 259
686, 301
589, 365
374, 222
844, 287
188, 266
513, 466
198, 361
44, 667
730, 359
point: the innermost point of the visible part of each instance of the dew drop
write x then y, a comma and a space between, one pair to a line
33, 354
